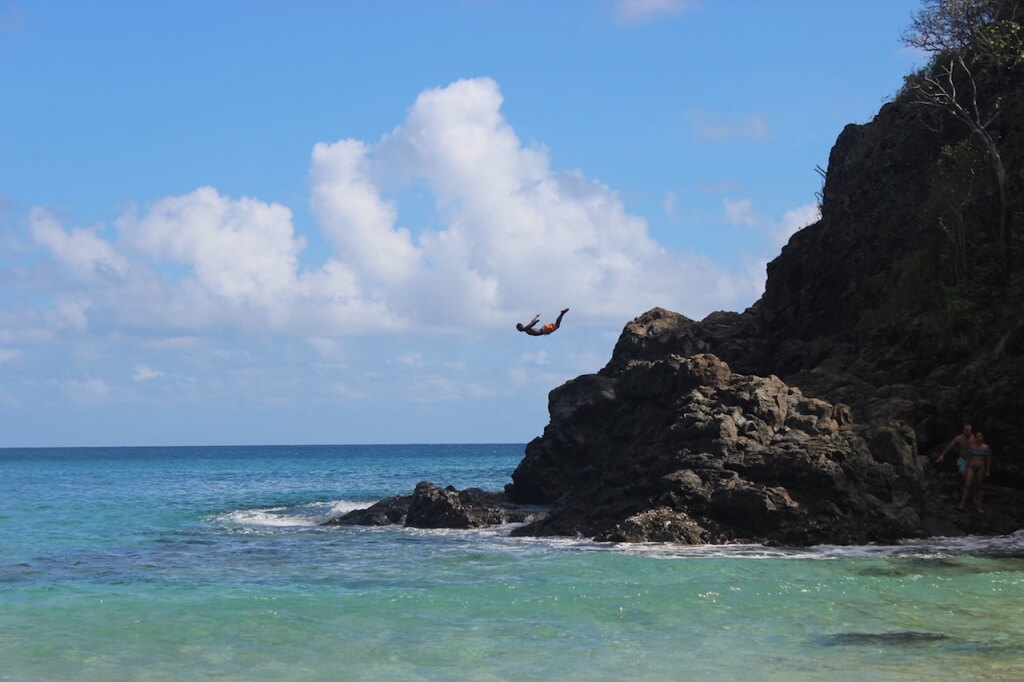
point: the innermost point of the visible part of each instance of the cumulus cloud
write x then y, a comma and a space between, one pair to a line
355, 216
632, 12
511, 232
517, 230
717, 128
7, 355
239, 250
83, 252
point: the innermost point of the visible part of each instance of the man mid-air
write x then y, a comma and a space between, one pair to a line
545, 329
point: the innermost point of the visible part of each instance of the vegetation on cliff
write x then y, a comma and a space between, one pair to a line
971, 93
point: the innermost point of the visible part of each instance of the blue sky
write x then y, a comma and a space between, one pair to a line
247, 222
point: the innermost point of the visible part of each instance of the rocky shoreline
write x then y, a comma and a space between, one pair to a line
811, 417
684, 450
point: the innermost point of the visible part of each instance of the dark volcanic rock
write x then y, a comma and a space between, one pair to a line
667, 448
843, 386
386, 512
432, 507
681, 449
809, 417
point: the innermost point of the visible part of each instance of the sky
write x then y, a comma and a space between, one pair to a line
254, 222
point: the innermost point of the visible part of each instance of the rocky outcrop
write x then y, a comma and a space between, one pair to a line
430, 506
809, 417
681, 449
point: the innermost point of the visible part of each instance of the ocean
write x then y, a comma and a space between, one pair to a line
209, 563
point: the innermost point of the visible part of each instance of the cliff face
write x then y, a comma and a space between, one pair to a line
808, 417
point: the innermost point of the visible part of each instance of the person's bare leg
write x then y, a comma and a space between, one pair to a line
558, 320
968, 485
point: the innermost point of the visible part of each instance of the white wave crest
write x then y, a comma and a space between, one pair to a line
263, 518
304, 515
339, 508
925, 548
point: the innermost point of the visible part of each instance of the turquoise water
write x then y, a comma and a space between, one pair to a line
207, 564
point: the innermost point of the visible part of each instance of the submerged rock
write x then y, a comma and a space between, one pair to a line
899, 638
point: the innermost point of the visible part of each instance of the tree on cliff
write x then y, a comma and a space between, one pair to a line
977, 48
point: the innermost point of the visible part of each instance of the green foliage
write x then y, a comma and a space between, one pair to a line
956, 317
962, 193
952, 280
909, 286
1001, 43
970, 310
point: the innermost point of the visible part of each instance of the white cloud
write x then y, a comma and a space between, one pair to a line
85, 254
778, 232
633, 12
7, 355
518, 232
711, 126
72, 312
796, 219
512, 234
740, 212
353, 215
143, 373
239, 250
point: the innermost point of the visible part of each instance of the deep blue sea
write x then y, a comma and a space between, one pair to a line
208, 563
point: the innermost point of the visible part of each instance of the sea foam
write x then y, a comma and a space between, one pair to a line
303, 515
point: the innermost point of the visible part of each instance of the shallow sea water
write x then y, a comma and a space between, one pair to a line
208, 564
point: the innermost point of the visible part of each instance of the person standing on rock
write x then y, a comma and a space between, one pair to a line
548, 328
961, 444
979, 461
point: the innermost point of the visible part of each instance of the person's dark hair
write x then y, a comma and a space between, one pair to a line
519, 326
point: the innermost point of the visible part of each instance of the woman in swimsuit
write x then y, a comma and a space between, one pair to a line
979, 461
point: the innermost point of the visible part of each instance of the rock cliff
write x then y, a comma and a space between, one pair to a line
809, 417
